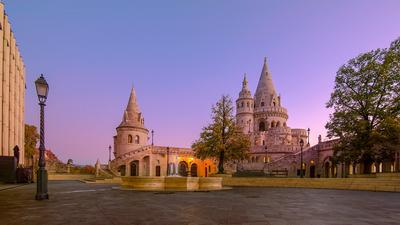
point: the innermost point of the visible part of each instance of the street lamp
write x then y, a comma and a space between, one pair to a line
168, 169
42, 89
152, 137
301, 157
308, 142
109, 153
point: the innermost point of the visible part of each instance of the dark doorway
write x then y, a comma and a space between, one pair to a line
327, 169
193, 170
183, 167
205, 170
261, 126
158, 171
312, 171
135, 168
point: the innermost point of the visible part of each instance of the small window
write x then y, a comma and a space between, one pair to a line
242, 104
263, 142
248, 104
261, 126
130, 139
137, 139
262, 104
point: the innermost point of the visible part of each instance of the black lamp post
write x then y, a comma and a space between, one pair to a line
168, 169
42, 89
308, 141
152, 137
109, 153
301, 158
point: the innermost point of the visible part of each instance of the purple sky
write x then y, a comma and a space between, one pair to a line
181, 56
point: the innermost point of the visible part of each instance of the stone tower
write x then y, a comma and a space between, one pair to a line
268, 111
131, 133
244, 108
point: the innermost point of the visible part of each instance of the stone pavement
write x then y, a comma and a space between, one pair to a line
73, 202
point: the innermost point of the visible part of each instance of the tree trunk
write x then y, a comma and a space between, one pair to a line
221, 162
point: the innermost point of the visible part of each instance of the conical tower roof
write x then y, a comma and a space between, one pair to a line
245, 92
265, 88
132, 116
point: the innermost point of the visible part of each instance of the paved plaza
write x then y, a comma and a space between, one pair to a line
73, 202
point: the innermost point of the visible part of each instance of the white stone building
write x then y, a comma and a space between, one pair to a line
135, 157
264, 118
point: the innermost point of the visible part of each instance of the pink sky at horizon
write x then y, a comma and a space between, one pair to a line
181, 57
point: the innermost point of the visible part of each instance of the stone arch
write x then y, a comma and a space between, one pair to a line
261, 126
137, 139
193, 170
183, 168
134, 171
272, 124
122, 170
278, 124
130, 139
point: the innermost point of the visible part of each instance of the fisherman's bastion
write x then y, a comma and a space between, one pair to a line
275, 147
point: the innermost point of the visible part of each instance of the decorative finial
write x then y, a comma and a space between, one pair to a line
245, 80
265, 59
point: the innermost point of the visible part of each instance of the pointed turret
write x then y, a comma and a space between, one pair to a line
265, 92
245, 92
132, 115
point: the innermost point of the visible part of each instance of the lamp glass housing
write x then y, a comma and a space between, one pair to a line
42, 88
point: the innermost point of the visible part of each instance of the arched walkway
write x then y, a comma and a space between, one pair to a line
122, 170
193, 170
183, 168
134, 168
146, 166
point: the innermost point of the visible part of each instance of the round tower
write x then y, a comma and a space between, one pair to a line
131, 133
268, 111
244, 108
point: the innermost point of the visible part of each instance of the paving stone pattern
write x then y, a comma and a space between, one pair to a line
73, 202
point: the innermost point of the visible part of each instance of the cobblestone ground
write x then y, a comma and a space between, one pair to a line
79, 203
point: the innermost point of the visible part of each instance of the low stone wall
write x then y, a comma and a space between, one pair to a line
367, 184
172, 183
58, 176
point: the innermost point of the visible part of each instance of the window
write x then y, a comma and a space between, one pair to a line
137, 139
130, 139
248, 104
263, 142
262, 104
274, 104
261, 126
242, 104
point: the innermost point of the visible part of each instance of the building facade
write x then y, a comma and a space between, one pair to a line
135, 157
264, 118
12, 91
275, 148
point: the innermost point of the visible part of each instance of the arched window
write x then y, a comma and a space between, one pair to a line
261, 126
248, 104
262, 104
263, 142
273, 124
137, 138
130, 139
278, 124
238, 105
274, 104
242, 104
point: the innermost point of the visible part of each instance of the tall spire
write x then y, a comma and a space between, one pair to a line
132, 115
132, 103
245, 92
265, 88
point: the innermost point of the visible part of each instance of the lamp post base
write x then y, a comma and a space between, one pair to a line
41, 191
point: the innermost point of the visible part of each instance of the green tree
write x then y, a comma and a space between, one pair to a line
366, 104
31, 139
222, 139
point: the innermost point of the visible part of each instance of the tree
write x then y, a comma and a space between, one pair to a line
366, 103
222, 139
31, 139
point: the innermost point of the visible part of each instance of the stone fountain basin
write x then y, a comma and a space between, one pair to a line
147, 183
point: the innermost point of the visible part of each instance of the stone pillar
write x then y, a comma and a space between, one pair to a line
128, 169
6, 87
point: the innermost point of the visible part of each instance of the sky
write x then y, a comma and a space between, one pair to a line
181, 56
